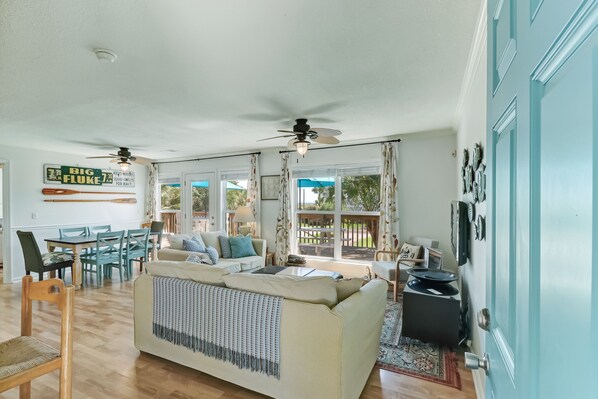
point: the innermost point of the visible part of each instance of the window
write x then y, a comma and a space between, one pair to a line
234, 195
169, 206
337, 212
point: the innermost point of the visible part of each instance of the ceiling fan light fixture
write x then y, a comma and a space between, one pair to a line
124, 165
105, 55
301, 146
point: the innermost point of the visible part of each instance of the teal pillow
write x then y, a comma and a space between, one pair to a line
241, 246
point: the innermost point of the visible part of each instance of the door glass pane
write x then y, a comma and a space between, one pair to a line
170, 207
200, 205
236, 196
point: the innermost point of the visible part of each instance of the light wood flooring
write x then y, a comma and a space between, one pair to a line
107, 365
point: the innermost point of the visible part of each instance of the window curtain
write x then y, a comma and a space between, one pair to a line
150, 196
284, 224
388, 232
253, 192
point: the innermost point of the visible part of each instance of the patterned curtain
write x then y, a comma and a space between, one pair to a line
388, 234
253, 192
150, 196
284, 224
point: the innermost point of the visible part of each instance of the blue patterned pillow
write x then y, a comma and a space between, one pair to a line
225, 247
213, 254
241, 246
193, 246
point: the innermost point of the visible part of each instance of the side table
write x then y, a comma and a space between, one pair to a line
429, 315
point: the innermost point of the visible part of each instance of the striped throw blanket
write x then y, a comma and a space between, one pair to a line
231, 325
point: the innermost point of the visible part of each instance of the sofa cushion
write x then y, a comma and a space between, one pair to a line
176, 240
188, 271
210, 239
241, 246
347, 287
225, 247
410, 251
193, 245
320, 290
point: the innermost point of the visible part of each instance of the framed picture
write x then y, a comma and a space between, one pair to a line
433, 258
270, 186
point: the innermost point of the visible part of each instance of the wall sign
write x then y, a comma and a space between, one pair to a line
62, 174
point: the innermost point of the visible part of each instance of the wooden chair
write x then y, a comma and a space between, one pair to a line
394, 269
136, 249
107, 252
25, 358
40, 263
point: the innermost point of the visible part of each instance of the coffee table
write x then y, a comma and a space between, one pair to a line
297, 271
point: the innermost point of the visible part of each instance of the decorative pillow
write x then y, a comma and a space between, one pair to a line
213, 254
188, 271
197, 237
193, 246
347, 287
241, 246
199, 258
319, 289
176, 240
410, 251
225, 247
210, 239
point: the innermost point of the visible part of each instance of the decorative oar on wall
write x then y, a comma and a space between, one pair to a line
115, 200
64, 191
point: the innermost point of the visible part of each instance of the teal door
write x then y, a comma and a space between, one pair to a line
542, 291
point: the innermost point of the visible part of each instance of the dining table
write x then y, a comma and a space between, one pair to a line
78, 244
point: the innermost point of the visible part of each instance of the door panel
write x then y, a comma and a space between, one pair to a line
542, 290
200, 204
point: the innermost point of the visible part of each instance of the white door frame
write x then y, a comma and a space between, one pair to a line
6, 225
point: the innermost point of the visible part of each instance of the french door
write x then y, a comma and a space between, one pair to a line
200, 206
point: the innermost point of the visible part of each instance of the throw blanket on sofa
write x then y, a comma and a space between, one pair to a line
231, 325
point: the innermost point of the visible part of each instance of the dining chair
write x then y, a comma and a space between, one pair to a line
107, 252
99, 229
72, 231
156, 228
40, 263
136, 249
25, 358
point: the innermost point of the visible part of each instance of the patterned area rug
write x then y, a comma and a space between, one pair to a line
413, 357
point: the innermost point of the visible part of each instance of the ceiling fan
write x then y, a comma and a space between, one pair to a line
302, 132
122, 157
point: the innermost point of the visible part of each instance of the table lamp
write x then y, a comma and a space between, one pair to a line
244, 214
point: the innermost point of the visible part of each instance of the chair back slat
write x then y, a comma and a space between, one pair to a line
137, 241
99, 229
109, 244
72, 231
48, 291
31, 253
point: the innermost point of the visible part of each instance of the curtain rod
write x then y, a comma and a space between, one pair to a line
208, 158
341, 146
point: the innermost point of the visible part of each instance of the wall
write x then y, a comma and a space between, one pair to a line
471, 130
426, 170
28, 211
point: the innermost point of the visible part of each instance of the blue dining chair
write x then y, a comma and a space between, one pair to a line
136, 248
99, 229
107, 254
72, 232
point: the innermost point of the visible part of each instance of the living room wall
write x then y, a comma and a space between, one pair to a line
471, 130
28, 211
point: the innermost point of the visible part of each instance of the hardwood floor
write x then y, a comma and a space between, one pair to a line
107, 365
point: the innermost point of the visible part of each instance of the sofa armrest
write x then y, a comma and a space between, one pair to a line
260, 246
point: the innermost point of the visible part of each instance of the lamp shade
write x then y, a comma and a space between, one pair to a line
243, 214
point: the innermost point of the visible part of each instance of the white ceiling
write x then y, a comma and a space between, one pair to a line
197, 77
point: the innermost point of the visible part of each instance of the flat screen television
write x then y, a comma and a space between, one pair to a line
459, 231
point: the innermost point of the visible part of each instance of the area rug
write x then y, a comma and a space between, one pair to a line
412, 357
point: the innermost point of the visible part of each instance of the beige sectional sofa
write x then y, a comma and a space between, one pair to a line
175, 252
327, 348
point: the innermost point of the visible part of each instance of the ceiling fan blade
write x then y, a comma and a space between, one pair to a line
263, 117
331, 106
319, 119
276, 137
326, 140
286, 131
322, 131
103, 156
